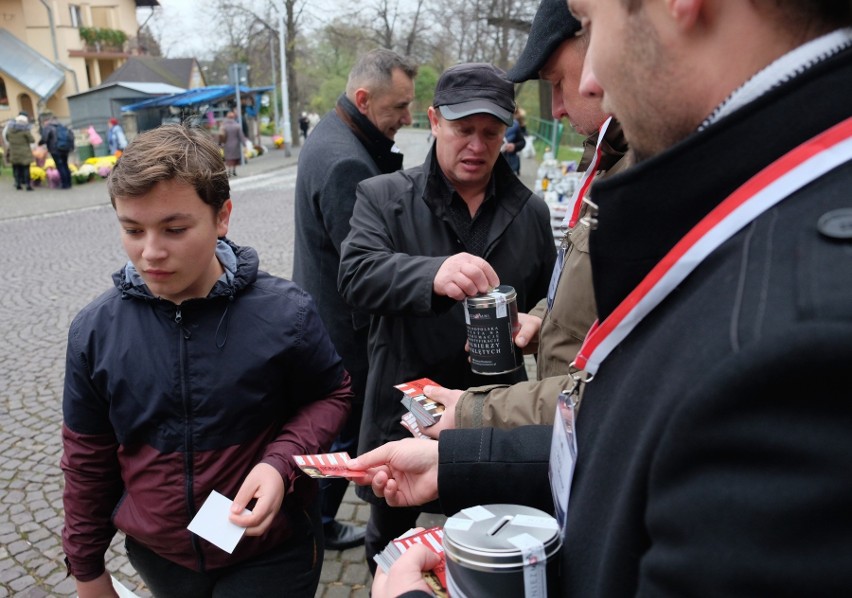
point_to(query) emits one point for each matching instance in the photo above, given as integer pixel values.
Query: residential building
(52, 49)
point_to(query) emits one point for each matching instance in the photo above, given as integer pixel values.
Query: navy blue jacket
(164, 404)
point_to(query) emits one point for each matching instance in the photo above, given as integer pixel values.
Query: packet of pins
(426, 411)
(327, 465)
(409, 422)
(432, 539)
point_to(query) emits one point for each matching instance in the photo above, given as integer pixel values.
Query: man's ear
(432, 113)
(362, 100)
(685, 12)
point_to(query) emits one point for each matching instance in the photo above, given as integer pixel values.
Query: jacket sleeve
(374, 276)
(93, 484)
(327, 391)
(540, 309)
(479, 467)
(502, 406)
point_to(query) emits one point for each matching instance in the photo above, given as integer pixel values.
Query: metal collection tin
(501, 550)
(492, 321)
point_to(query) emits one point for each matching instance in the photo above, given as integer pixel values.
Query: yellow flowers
(37, 174)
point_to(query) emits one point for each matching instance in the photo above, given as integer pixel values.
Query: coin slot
(499, 525)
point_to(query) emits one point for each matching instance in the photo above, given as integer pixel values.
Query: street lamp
(285, 96)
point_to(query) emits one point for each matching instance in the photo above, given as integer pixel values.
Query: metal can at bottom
(492, 321)
(502, 551)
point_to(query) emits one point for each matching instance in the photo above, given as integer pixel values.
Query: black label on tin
(490, 335)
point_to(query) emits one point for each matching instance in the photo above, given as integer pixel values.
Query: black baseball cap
(475, 88)
(552, 24)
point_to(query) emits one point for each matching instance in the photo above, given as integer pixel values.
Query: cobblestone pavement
(60, 249)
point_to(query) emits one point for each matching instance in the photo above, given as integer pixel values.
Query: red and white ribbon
(576, 201)
(791, 172)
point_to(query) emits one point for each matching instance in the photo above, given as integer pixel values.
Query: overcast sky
(185, 27)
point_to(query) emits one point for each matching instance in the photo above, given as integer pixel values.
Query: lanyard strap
(789, 173)
(576, 202)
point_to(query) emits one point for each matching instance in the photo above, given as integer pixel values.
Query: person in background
(554, 52)
(116, 139)
(353, 142)
(424, 239)
(304, 124)
(4, 139)
(20, 142)
(232, 140)
(700, 469)
(232, 374)
(515, 140)
(59, 140)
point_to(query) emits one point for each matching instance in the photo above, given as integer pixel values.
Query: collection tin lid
(495, 296)
(480, 537)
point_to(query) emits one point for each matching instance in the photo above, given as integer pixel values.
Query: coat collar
(646, 209)
(383, 150)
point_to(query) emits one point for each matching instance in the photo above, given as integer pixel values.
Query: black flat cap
(475, 88)
(552, 24)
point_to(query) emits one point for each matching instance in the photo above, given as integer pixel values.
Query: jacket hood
(16, 126)
(240, 264)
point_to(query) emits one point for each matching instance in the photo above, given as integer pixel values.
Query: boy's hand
(100, 587)
(263, 483)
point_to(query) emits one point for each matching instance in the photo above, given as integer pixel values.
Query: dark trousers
(333, 489)
(291, 570)
(61, 161)
(385, 524)
(22, 175)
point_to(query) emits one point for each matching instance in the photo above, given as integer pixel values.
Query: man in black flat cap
(554, 52)
(422, 240)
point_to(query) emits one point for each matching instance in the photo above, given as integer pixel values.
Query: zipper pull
(178, 317)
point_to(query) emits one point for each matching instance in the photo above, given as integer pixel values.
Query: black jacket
(344, 149)
(400, 237)
(165, 403)
(714, 442)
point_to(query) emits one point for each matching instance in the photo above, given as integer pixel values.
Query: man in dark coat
(50, 137)
(352, 143)
(713, 444)
(425, 238)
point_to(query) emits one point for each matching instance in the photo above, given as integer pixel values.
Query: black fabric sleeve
(490, 466)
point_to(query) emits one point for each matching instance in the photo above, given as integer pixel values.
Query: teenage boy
(196, 372)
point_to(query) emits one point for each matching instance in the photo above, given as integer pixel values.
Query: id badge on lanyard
(554, 276)
(563, 454)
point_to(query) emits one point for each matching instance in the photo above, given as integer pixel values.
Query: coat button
(836, 224)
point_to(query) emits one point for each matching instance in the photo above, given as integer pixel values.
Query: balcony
(100, 42)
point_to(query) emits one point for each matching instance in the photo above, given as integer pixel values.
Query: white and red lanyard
(576, 201)
(791, 172)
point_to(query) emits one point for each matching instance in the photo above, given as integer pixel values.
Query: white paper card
(212, 523)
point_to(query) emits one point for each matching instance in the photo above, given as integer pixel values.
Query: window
(4, 97)
(76, 15)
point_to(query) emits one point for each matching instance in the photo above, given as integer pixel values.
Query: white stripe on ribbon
(779, 180)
